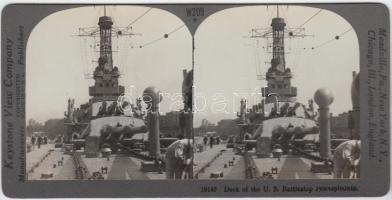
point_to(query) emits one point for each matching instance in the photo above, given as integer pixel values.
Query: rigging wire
(310, 18)
(297, 56)
(337, 37)
(166, 35)
(175, 30)
(83, 54)
(138, 18)
(124, 54)
(257, 58)
(284, 15)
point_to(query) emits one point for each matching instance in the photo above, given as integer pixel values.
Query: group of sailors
(39, 140)
(211, 141)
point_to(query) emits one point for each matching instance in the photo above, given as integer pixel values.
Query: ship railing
(81, 171)
(251, 170)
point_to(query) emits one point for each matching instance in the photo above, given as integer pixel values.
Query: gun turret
(111, 135)
(283, 136)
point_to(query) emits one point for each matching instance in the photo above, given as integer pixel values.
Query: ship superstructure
(278, 117)
(107, 118)
(106, 76)
(278, 76)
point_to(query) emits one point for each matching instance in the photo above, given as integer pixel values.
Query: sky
(227, 62)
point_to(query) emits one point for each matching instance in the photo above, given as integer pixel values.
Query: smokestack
(243, 110)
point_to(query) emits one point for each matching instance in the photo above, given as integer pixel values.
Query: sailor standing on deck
(211, 142)
(346, 159)
(205, 141)
(247, 136)
(217, 140)
(39, 141)
(178, 158)
(33, 140)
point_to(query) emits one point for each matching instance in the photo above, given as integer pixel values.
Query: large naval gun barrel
(290, 132)
(283, 136)
(126, 131)
(111, 135)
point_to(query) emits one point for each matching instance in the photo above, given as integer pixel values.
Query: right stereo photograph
(276, 95)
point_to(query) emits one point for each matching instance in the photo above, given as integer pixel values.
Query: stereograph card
(195, 100)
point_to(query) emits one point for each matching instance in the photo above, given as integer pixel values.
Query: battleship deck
(218, 160)
(289, 167)
(119, 166)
